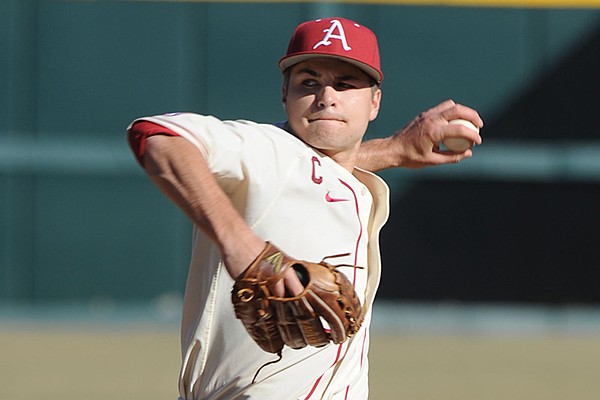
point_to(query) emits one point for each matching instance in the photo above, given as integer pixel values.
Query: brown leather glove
(295, 321)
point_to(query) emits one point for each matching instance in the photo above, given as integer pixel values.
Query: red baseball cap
(338, 38)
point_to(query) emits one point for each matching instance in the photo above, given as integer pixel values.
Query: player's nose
(327, 97)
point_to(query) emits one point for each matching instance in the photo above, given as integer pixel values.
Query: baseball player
(298, 190)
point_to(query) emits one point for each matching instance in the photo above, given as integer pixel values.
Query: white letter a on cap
(329, 34)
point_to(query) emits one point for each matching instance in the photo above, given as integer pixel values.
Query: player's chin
(326, 129)
(325, 142)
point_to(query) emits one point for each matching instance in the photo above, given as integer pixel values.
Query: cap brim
(290, 61)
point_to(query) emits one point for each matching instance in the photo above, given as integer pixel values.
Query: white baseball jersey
(308, 206)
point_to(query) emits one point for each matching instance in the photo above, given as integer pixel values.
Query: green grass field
(54, 363)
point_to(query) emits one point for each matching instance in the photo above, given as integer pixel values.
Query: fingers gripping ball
(295, 321)
(458, 145)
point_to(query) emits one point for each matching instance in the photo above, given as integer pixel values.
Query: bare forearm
(378, 154)
(182, 174)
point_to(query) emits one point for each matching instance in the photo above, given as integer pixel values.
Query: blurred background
(505, 244)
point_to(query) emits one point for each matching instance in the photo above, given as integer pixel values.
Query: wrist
(388, 153)
(240, 252)
(394, 151)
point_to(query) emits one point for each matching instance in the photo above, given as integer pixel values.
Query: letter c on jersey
(316, 179)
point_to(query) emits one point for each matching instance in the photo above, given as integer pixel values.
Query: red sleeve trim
(142, 130)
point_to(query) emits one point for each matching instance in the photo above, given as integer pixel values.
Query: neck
(345, 158)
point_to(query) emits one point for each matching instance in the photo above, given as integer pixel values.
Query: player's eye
(345, 85)
(309, 83)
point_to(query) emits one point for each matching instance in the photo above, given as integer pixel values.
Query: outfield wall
(80, 222)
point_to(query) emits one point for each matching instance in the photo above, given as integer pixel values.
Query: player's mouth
(327, 118)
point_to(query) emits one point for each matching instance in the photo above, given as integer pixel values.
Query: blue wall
(78, 219)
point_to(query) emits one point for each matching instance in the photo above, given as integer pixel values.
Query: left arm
(416, 145)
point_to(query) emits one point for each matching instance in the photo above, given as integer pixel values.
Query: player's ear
(375, 103)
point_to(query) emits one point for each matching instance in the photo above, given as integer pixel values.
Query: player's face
(329, 105)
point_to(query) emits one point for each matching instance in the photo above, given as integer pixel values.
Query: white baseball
(458, 145)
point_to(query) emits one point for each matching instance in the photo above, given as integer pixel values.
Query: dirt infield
(58, 364)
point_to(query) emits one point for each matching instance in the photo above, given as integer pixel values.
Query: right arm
(180, 171)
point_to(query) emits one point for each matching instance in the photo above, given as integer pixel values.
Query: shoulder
(207, 126)
(213, 135)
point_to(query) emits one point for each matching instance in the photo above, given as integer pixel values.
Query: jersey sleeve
(142, 130)
(235, 151)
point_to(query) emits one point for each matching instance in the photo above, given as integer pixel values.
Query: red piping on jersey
(359, 224)
(362, 357)
(362, 354)
(337, 357)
